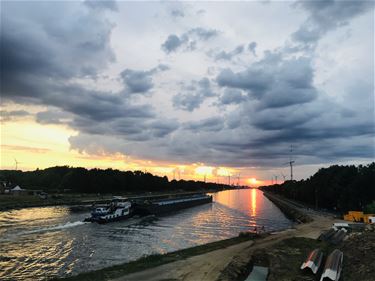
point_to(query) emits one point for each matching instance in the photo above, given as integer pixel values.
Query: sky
(190, 90)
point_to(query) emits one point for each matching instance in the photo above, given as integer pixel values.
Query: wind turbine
(282, 174)
(15, 160)
(275, 179)
(291, 163)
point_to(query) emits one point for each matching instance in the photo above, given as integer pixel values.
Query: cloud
(75, 44)
(223, 55)
(203, 33)
(172, 43)
(325, 16)
(187, 40)
(250, 112)
(25, 148)
(137, 81)
(53, 117)
(140, 81)
(102, 4)
(251, 80)
(252, 48)
(55, 64)
(274, 81)
(232, 96)
(177, 13)
(193, 95)
(211, 124)
(6, 116)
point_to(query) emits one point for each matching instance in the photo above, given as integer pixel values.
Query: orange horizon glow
(40, 146)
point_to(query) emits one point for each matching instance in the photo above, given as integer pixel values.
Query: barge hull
(147, 209)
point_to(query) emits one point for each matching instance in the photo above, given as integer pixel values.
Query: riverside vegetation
(337, 188)
(81, 180)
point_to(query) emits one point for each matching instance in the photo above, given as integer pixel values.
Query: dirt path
(209, 266)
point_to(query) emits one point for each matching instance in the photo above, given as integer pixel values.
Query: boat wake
(56, 227)
(16, 235)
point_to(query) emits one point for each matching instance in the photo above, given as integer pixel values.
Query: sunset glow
(53, 149)
(204, 171)
(177, 101)
(253, 182)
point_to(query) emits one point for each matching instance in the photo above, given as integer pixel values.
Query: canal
(41, 243)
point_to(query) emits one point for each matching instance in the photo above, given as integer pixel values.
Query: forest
(338, 188)
(81, 180)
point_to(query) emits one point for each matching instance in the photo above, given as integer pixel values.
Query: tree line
(81, 180)
(340, 188)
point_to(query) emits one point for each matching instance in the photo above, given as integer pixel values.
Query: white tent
(17, 188)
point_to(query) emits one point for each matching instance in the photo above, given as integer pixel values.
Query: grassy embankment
(156, 260)
(9, 202)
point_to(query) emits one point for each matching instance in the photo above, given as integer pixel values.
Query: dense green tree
(340, 188)
(81, 180)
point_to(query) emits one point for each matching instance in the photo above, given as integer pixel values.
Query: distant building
(17, 190)
(358, 216)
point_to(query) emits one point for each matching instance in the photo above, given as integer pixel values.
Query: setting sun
(204, 171)
(253, 181)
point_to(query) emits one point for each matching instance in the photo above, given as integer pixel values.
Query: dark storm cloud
(208, 125)
(137, 81)
(223, 55)
(35, 47)
(274, 81)
(39, 60)
(187, 40)
(252, 48)
(102, 4)
(177, 13)
(232, 96)
(53, 117)
(276, 119)
(13, 115)
(250, 80)
(140, 81)
(161, 128)
(203, 33)
(264, 106)
(172, 43)
(193, 95)
(327, 15)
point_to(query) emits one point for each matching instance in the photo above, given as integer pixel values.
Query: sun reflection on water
(253, 202)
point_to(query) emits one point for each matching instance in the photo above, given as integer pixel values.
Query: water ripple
(40, 243)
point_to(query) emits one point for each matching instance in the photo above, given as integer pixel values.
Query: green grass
(155, 260)
(8, 202)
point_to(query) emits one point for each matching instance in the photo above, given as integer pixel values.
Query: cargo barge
(118, 209)
(161, 206)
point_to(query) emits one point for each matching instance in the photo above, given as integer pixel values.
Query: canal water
(41, 243)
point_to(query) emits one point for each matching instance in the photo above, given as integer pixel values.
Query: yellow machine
(357, 216)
